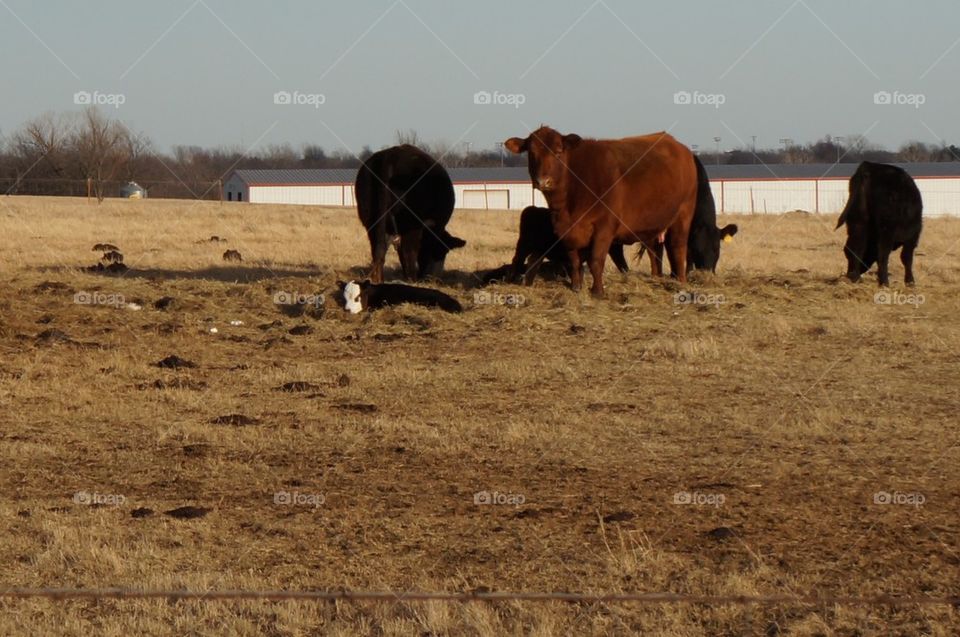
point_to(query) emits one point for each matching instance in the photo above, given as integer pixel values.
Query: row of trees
(849, 149)
(67, 154)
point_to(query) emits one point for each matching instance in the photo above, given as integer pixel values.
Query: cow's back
(406, 173)
(886, 200)
(634, 176)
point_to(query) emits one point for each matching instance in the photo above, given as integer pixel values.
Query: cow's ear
(516, 145)
(341, 285)
(571, 141)
(727, 232)
(365, 284)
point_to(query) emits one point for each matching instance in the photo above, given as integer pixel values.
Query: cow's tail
(853, 200)
(843, 215)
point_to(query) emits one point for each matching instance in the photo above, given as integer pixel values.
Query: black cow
(884, 212)
(538, 243)
(703, 245)
(703, 242)
(403, 192)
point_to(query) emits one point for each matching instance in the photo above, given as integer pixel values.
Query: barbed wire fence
(654, 598)
(210, 190)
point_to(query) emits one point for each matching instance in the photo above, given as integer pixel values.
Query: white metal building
(823, 188)
(475, 188)
(753, 188)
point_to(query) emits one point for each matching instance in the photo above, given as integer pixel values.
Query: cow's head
(433, 251)
(860, 252)
(352, 295)
(547, 156)
(705, 244)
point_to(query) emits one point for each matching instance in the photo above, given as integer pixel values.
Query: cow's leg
(409, 249)
(677, 237)
(519, 258)
(906, 258)
(656, 258)
(534, 266)
(576, 269)
(598, 258)
(616, 253)
(378, 251)
(677, 255)
(671, 254)
(883, 261)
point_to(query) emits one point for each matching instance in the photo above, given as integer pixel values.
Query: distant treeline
(71, 154)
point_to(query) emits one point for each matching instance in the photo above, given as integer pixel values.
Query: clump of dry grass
(789, 393)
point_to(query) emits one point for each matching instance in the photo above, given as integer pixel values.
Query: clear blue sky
(205, 71)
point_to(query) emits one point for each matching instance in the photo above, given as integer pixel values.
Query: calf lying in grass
(356, 297)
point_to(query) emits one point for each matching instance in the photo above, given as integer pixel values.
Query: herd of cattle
(602, 195)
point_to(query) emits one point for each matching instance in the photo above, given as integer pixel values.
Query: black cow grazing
(403, 192)
(884, 212)
(538, 243)
(703, 242)
(703, 245)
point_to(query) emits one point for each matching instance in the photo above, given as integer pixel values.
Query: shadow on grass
(227, 274)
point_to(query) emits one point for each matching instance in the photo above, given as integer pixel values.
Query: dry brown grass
(796, 399)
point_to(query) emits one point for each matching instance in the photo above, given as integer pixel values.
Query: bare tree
(409, 136)
(914, 152)
(43, 145)
(137, 147)
(102, 147)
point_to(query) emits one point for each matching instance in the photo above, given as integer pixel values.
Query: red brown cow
(626, 190)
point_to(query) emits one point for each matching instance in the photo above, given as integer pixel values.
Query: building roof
(822, 171)
(303, 176)
(520, 175)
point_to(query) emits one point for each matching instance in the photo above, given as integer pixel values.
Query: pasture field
(787, 433)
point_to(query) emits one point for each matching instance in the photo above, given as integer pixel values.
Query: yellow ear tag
(727, 239)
